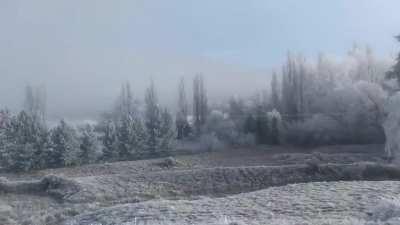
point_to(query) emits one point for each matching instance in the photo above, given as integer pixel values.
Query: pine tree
(110, 141)
(167, 131)
(182, 123)
(130, 138)
(23, 140)
(89, 145)
(123, 135)
(125, 104)
(152, 121)
(65, 145)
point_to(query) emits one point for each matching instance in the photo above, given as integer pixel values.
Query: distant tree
(293, 87)
(237, 113)
(250, 125)
(262, 126)
(130, 137)
(182, 124)
(153, 121)
(110, 141)
(89, 145)
(125, 104)
(123, 134)
(200, 108)
(65, 145)
(4, 118)
(394, 73)
(35, 102)
(275, 121)
(158, 125)
(167, 132)
(274, 92)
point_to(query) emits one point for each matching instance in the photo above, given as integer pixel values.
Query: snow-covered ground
(236, 186)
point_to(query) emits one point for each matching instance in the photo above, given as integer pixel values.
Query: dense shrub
(220, 126)
(319, 129)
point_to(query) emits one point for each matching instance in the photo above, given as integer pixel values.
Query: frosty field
(235, 186)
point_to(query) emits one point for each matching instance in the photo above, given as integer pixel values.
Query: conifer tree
(23, 140)
(182, 123)
(152, 121)
(110, 141)
(65, 145)
(167, 132)
(89, 145)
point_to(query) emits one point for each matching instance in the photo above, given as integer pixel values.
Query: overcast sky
(83, 50)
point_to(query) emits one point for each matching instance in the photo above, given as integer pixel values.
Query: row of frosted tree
(125, 133)
(319, 102)
(312, 102)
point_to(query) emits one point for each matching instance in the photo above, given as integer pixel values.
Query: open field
(258, 186)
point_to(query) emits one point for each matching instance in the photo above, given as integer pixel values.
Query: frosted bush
(319, 129)
(224, 130)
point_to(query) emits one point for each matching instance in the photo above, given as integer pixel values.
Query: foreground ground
(267, 185)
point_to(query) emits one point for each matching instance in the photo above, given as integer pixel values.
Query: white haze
(83, 50)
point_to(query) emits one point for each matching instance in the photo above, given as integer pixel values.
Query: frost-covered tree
(391, 122)
(182, 123)
(200, 108)
(167, 132)
(90, 147)
(158, 125)
(294, 75)
(130, 138)
(35, 102)
(122, 131)
(153, 121)
(4, 118)
(109, 139)
(275, 123)
(274, 92)
(237, 113)
(125, 104)
(65, 144)
(262, 126)
(363, 65)
(23, 142)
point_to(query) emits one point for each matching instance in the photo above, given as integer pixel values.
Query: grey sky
(83, 50)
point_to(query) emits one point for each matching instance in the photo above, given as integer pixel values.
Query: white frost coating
(392, 127)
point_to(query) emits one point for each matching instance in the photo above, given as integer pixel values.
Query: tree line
(306, 103)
